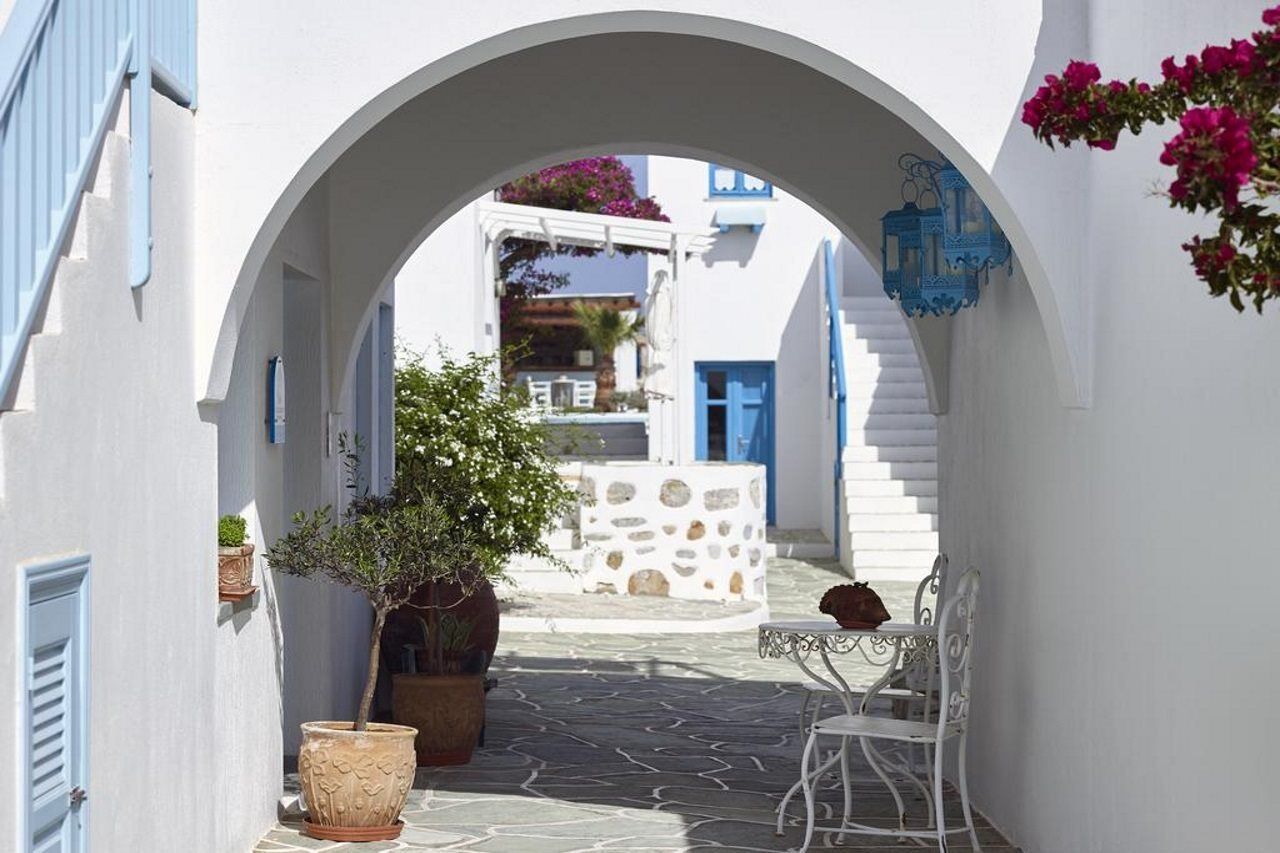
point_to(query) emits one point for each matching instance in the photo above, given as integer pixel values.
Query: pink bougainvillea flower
(1080, 75)
(1213, 150)
(1271, 17)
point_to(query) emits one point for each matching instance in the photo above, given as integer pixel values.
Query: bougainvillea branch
(1226, 153)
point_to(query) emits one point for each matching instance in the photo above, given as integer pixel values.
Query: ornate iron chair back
(955, 652)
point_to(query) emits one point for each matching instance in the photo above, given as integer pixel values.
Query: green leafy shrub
(231, 531)
(481, 453)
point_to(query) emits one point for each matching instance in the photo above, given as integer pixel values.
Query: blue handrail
(63, 67)
(836, 378)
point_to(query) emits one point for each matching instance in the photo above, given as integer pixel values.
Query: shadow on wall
(737, 245)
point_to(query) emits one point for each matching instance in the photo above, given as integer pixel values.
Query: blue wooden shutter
(55, 726)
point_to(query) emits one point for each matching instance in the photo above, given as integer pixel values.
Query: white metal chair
(539, 393)
(584, 394)
(955, 669)
(907, 685)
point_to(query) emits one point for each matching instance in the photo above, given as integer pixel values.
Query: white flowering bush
(481, 453)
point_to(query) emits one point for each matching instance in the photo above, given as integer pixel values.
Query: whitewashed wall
(1128, 550)
(441, 296)
(756, 297)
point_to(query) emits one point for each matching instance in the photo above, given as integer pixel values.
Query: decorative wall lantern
(973, 237)
(932, 256)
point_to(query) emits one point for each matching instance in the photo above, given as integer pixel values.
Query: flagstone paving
(678, 742)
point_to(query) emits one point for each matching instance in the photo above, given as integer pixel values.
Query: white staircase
(890, 483)
(99, 233)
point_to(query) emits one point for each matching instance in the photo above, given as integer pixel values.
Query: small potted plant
(356, 775)
(235, 560)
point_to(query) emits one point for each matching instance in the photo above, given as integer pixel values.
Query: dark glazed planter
(480, 609)
(447, 711)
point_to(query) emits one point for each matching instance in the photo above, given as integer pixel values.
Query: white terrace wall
(756, 297)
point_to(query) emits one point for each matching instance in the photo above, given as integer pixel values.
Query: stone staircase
(99, 232)
(890, 484)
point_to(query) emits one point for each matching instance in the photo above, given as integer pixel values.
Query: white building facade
(1082, 405)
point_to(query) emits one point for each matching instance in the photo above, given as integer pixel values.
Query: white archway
(424, 147)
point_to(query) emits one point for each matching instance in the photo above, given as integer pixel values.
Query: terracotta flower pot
(354, 783)
(447, 711)
(235, 572)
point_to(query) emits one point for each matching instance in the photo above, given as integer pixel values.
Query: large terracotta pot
(447, 711)
(480, 609)
(235, 572)
(354, 783)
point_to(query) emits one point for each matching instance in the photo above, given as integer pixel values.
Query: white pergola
(499, 221)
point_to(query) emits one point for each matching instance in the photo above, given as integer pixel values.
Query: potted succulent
(355, 775)
(235, 560)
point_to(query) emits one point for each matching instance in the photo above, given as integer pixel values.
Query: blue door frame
(734, 417)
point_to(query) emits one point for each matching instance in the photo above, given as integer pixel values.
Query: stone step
(562, 539)
(535, 574)
(894, 559)
(892, 437)
(891, 346)
(875, 373)
(900, 505)
(899, 541)
(886, 522)
(918, 453)
(889, 391)
(891, 471)
(888, 313)
(890, 488)
(873, 303)
(854, 359)
(876, 331)
(892, 420)
(889, 406)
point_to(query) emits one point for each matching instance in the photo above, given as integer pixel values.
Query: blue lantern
(973, 238)
(932, 257)
(900, 248)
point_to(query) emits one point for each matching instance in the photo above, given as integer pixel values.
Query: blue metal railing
(836, 379)
(63, 67)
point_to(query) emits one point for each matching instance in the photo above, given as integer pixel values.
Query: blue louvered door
(55, 723)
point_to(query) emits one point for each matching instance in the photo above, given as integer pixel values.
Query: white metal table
(893, 646)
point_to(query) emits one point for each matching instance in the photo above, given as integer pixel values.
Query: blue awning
(739, 216)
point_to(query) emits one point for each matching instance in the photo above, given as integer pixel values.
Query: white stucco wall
(111, 458)
(1127, 550)
(756, 297)
(441, 296)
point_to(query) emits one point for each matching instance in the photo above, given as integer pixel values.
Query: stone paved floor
(653, 743)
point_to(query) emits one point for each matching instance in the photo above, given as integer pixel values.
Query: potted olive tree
(356, 775)
(480, 453)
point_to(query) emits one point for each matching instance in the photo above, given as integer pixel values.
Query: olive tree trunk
(371, 680)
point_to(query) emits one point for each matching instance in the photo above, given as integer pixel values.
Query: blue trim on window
(739, 189)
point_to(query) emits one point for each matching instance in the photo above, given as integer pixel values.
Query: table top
(814, 627)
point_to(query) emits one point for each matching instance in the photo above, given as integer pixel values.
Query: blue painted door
(55, 720)
(735, 416)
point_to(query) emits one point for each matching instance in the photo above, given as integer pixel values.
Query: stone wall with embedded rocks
(687, 531)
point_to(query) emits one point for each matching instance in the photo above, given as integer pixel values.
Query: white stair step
(895, 346)
(889, 391)
(918, 453)
(890, 488)
(893, 437)
(896, 541)
(561, 539)
(893, 420)
(873, 303)
(876, 331)
(891, 471)
(893, 559)
(905, 504)
(861, 358)
(890, 406)
(885, 522)
(875, 373)
(886, 313)
(533, 574)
